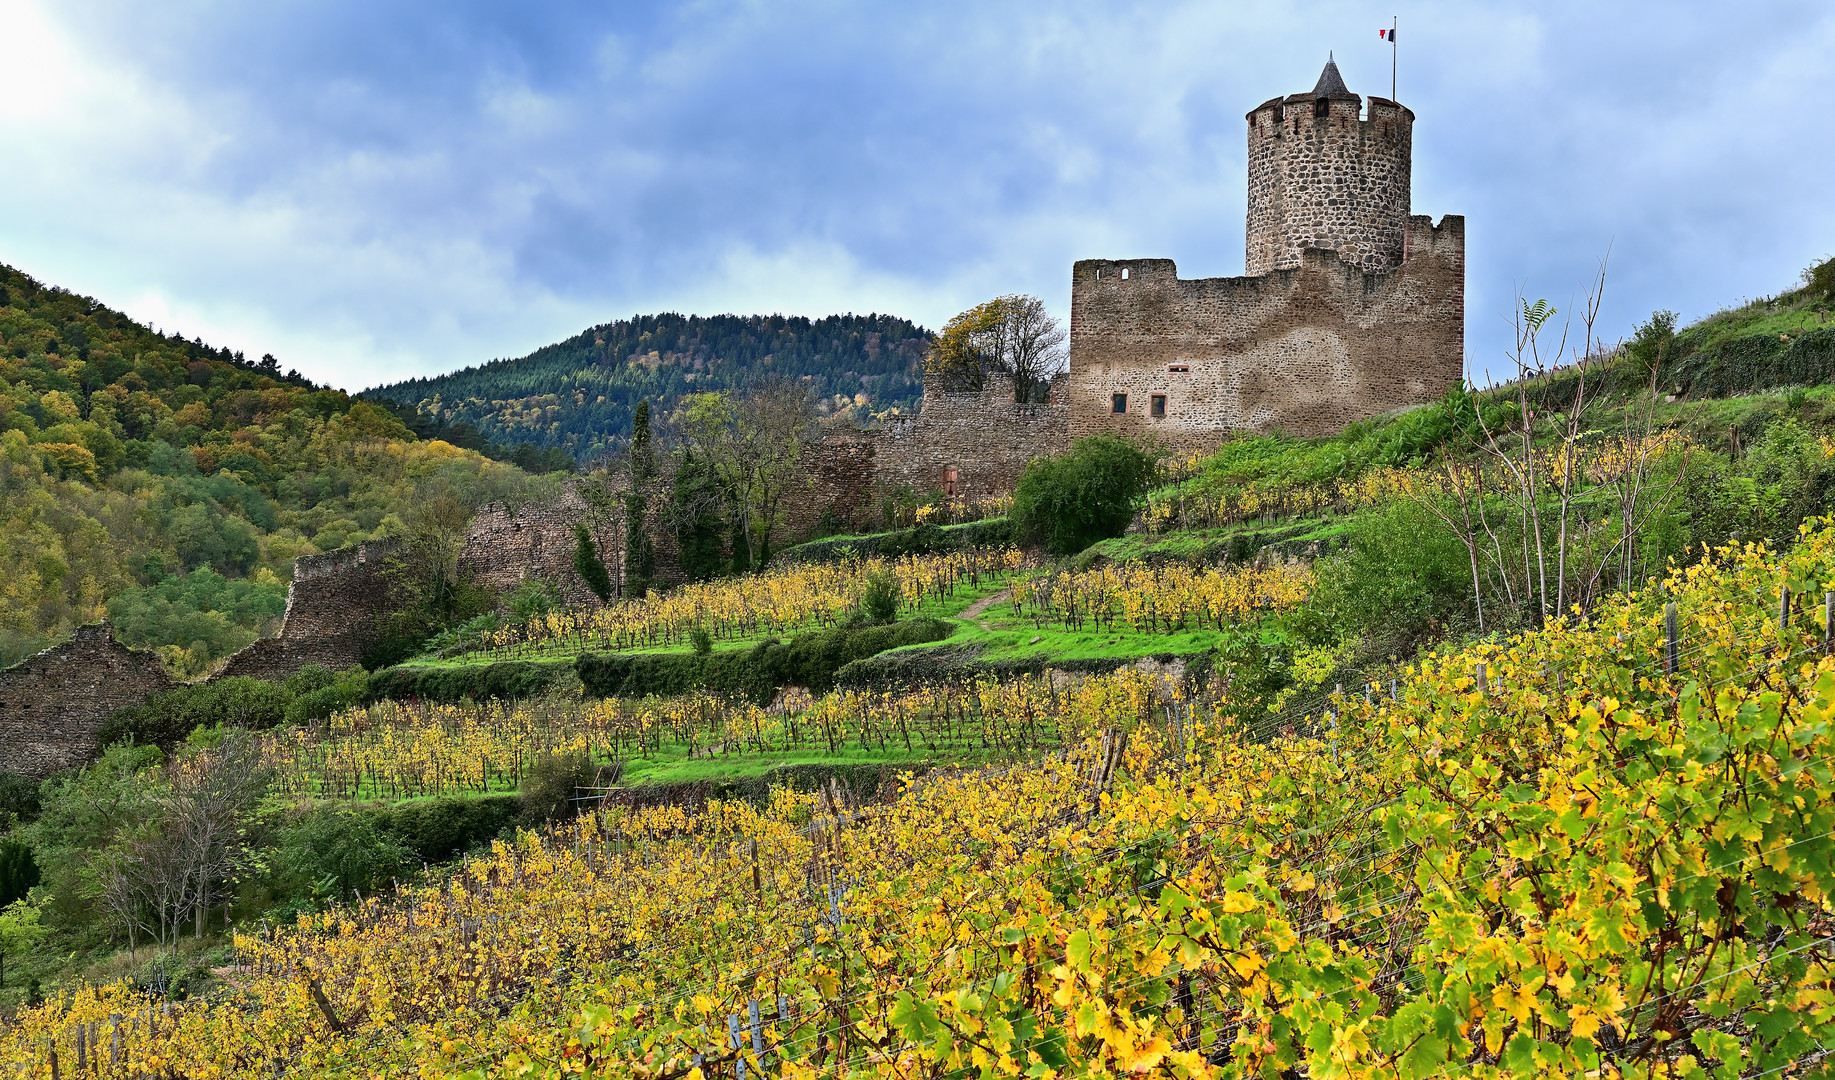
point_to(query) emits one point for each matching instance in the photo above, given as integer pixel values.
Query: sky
(372, 191)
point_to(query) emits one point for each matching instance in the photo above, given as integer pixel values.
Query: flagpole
(1394, 23)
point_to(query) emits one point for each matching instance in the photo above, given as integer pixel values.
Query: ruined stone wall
(839, 486)
(983, 436)
(1304, 351)
(1339, 181)
(506, 546)
(332, 609)
(52, 704)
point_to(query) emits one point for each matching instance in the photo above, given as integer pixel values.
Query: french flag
(1386, 35)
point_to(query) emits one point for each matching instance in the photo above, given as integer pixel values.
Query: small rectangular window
(1178, 367)
(1118, 403)
(1158, 406)
(1124, 273)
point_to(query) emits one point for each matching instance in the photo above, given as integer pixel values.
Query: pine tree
(638, 553)
(695, 516)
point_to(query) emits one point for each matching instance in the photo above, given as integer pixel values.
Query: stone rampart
(506, 546)
(53, 704)
(976, 442)
(1306, 351)
(839, 486)
(332, 610)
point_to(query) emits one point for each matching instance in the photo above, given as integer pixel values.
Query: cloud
(379, 190)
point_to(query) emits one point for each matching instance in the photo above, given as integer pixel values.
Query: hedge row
(437, 829)
(239, 701)
(506, 679)
(959, 662)
(1755, 362)
(810, 660)
(919, 540)
(865, 782)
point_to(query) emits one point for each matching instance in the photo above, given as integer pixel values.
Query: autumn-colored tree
(1012, 335)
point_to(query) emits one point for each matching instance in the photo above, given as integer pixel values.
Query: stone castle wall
(332, 609)
(1304, 351)
(841, 489)
(984, 436)
(53, 704)
(1339, 181)
(505, 546)
(982, 439)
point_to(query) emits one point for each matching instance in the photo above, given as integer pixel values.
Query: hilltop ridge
(578, 394)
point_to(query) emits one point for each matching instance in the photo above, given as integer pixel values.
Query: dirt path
(974, 611)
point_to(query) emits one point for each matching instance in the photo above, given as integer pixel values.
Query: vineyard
(1603, 849)
(394, 751)
(798, 597)
(1165, 599)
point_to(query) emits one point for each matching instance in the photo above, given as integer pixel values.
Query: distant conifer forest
(578, 395)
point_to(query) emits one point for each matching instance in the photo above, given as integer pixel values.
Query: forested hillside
(169, 485)
(578, 394)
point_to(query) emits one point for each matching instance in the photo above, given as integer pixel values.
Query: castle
(1349, 306)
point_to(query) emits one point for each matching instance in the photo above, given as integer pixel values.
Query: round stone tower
(1322, 175)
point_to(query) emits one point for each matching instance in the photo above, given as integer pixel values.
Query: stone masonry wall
(505, 547)
(332, 609)
(52, 705)
(1339, 181)
(985, 437)
(1304, 351)
(841, 470)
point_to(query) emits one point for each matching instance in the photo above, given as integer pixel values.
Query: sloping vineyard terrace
(1570, 861)
(797, 597)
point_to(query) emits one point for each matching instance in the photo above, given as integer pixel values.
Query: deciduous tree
(1012, 335)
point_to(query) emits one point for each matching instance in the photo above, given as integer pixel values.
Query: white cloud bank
(381, 190)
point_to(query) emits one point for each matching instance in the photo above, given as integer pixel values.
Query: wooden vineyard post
(1669, 638)
(758, 888)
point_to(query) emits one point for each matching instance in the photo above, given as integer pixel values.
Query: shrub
(810, 660)
(344, 690)
(330, 853)
(1402, 581)
(1087, 494)
(925, 539)
(879, 600)
(165, 719)
(702, 641)
(531, 600)
(18, 796)
(548, 788)
(1820, 279)
(18, 870)
(508, 679)
(437, 829)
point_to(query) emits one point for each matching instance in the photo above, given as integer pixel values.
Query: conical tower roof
(1331, 84)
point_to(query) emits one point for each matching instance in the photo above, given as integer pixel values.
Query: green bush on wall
(508, 679)
(809, 660)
